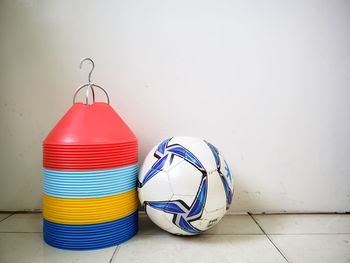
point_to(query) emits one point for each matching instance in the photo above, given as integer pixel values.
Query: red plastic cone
(93, 124)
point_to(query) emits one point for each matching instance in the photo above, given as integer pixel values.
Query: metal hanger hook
(89, 85)
(92, 69)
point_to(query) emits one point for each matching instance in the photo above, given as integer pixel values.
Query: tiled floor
(237, 238)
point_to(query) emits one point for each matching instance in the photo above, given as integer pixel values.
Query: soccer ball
(185, 185)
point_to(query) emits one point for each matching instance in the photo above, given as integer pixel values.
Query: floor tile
(23, 223)
(4, 215)
(230, 224)
(30, 247)
(304, 224)
(202, 248)
(314, 248)
(235, 224)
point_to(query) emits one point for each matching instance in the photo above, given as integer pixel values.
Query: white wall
(267, 82)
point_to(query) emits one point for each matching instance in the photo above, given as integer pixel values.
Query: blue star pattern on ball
(183, 214)
(228, 192)
(165, 151)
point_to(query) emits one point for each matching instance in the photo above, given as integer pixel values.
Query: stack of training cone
(90, 171)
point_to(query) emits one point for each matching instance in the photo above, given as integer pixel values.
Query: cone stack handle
(90, 85)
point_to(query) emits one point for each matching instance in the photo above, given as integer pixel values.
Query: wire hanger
(90, 85)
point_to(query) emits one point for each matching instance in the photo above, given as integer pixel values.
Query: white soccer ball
(185, 185)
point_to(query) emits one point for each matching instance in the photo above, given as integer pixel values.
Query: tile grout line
(114, 253)
(19, 232)
(204, 234)
(256, 222)
(6, 217)
(307, 234)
